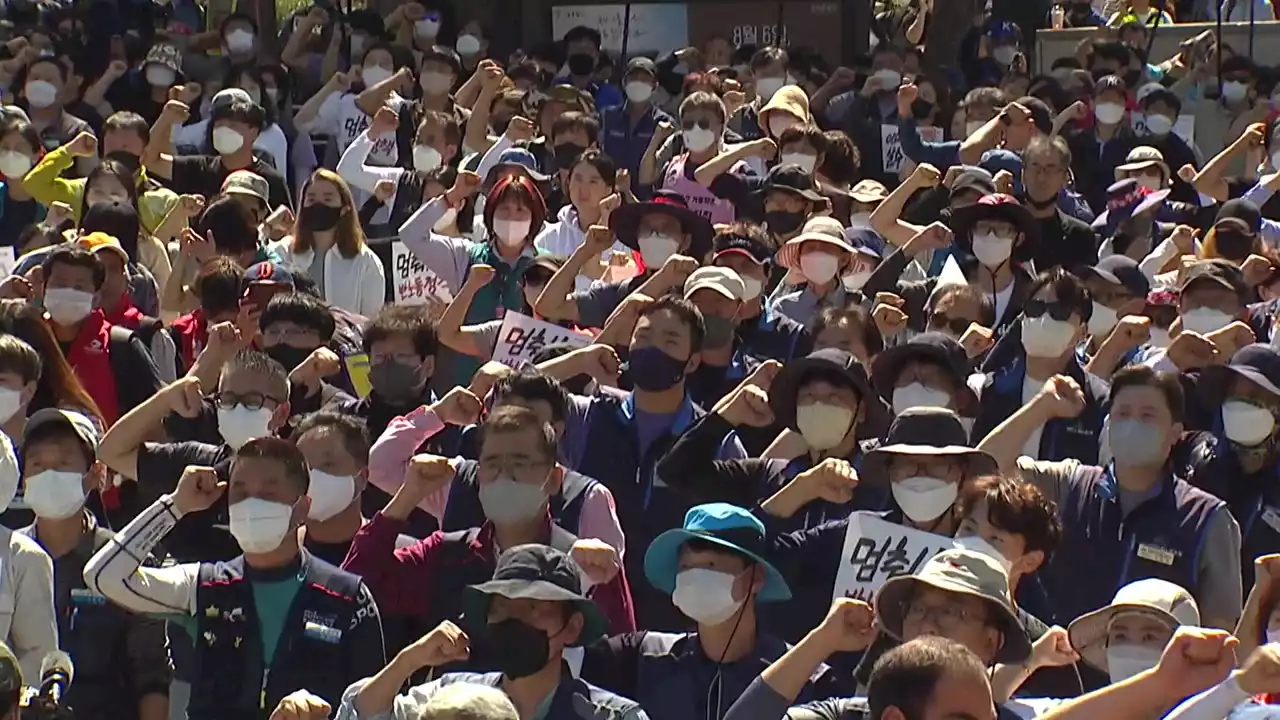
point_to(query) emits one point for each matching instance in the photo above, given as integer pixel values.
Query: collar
(683, 416)
(1111, 487)
(85, 547)
(296, 569)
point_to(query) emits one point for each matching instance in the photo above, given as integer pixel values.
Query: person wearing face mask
(930, 370)
(42, 98)
(61, 474)
(1230, 112)
(1065, 241)
(1135, 518)
(115, 301)
(235, 128)
(744, 249)
(1212, 296)
(1161, 109)
(297, 330)
(627, 130)
(719, 294)
(513, 482)
(528, 618)
(590, 179)
(691, 173)
(671, 238)
(1096, 152)
(822, 256)
(249, 597)
(1054, 321)
(582, 47)
(244, 85)
(239, 37)
(1126, 636)
(1118, 289)
(713, 569)
(767, 69)
(19, 147)
(1238, 232)
(32, 628)
(143, 90)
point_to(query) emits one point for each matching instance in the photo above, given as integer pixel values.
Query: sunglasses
(1057, 310)
(703, 123)
(957, 326)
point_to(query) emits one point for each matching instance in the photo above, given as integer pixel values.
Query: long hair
(348, 235)
(58, 385)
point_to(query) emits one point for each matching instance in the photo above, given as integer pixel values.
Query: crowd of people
(359, 373)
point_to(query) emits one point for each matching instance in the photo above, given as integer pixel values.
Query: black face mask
(515, 648)
(1233, 244)
(395, 382)
(783, 222)
(499, 125)
(921, 109)
(320, 217)
(288, 356)
(566, 153)
(581, 64)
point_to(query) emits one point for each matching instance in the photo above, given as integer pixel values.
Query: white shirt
(342, 119)
(1001, 301)
(1030, 388)
(27, 620)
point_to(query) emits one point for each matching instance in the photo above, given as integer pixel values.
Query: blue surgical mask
(1134, 442)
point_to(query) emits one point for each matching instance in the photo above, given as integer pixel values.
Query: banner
(413, 282)
(657, 28)
(521, 337)
(891, 154)
(876, 550)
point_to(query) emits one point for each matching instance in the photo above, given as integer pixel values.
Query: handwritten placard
(413, 282)
(876, 550)
(521, 337)
(658, 27)
(891, 145)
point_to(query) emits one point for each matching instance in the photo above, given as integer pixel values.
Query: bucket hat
(535, 572)
(722, 524)
(1151, 596)
(926, 431)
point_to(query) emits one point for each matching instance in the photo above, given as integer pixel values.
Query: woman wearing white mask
(1127, 636)
(20, 146)
(823, 258)
(43, 95)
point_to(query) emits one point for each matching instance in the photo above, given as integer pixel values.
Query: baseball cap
(720, 279)
(535, 572)
(1110, 83)
(974, 178)
(247, 182)
(1119, 270)
(80, 424)
(268, 272)
(1218, 272)
(96, 242)
(229, 96)
(642, 64)
(733, 243)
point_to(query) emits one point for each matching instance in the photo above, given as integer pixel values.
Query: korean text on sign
(892, 155)
(413, 282)
(876, 550)
(521, 337)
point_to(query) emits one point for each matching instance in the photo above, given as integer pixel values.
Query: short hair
(468, 701)
(410, 320)
(512, 419)
(302, 310)
(531, 384)
(1112, 51)
(809, 134)
(703, 100)
(686, 312)
(256, 361)
(990, 96)
(583, 32)
(282, 451)
(905, 677)
(1141, 375)
(573, 121)
(242, 111)
(125, 121)
(1066, 288)
(75, 256)
(57, 431)
(117, 219)
(856, 314)
(233, 228)
(452, 131)
(217, 285)
(986, 308)
(1015, 507)
(766, 56)
(1054, 144)
(841, 159)
(19, 358)
(352, 430)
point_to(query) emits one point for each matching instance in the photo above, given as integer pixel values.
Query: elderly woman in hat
(1127, 636)
(818, 259)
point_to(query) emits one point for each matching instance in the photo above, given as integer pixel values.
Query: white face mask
(1005, 54)
(751, 289)
(374, 74)
(160, 76)
(1246, 423)
(1159, 124)
(55, 494)
(706, 596)
(804, 160)
(655, 249)
(1108, 113)
(978, 545)
(14, 164)
(508, 502)
(819, 267)
(767, 86)
(330, 494)
(468, 45)
(638, 91)
(437, 83)
(226, 140)
(924, 498)
(1203, 321)
(10, 403)
(511, 232)
(67, 306)
(1150, 182)
(919, 395)
(1044, 337)
(823, 426)
(1125, 661)
(240, 41)
(238, 425)
(991, 249)
(889, 79)
(855, 281)
(41, 94)
(258, 525)
(426, 28)
(972, 127)
(426, 158)
(1234, 92)
(698, 139)
(1103, 320)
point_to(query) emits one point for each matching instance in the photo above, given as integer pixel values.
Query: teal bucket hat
(728, 526)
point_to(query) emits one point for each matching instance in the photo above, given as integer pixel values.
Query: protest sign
(891, 145)
(521, 337)
(413, 282)
(876, 550)
(358, 371)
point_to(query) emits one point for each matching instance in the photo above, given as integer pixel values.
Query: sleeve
(447, 257)
(614, 600)
(186, 173)
(46, 184)
(806, 558)
(489, 160)
(401, 579)
(147, 655)
(276, 146)
(146, 378)
(389, 457)
(405, 707)
(34, 632)
(1215, 703)
(365, 646)
(1050, 477)
(690, 467)
(614, 663)
(373, 284)
(597, 303)
(1259, 194)
(1271, 233)
(758, 702)
(117, 572)
(359, 175)
(277, 190)
(328, 117)
(941, 155)
(164, 355)
(600, 519)
(189, 135)
(1220, 589)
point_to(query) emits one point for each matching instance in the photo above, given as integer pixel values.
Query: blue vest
(463, 509)
(867, 496)
(502, 294)
(1103, 550)
(573, 698)
(230, 680)
(773, 337)
(1061, 438)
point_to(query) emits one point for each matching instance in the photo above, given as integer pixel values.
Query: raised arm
(1060, 397)
(352, 166)
(1211, 180)
(450, 329)
(120, 445)
(887, 220)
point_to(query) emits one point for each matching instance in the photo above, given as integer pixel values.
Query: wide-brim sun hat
(625, 222)
(927, 432)
(932, 347)
(727, 526)
(832, 363)
(1154, 597)
(822, 229)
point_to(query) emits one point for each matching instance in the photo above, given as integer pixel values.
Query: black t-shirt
(203, 175)
(16, 217)
(1065, 242)
(132, 93)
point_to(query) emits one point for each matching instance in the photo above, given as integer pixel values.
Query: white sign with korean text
(876, 550)
(521, 337)
(891, 145)
(657, 27)
(413, 282)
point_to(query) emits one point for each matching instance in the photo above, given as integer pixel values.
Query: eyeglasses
(252, 401)
(1057, 310)
(957, 326)
(946, 617)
